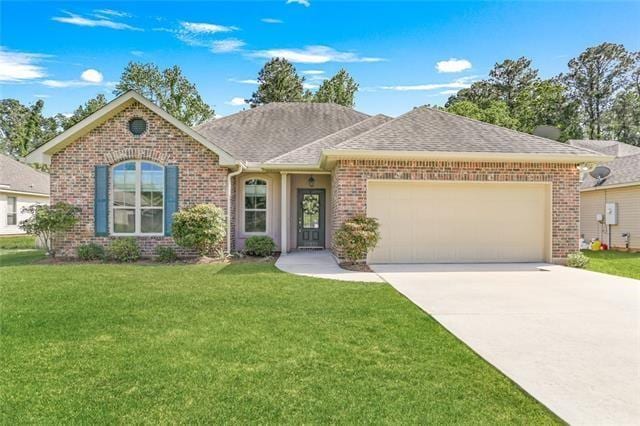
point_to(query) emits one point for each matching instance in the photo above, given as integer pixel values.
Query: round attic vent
(137, 126)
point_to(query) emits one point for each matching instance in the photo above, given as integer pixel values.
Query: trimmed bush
(259, 245)
(91, 251)
(201, 227)
(165, 254)
(124, 250)
(357, 237)
(577, 260)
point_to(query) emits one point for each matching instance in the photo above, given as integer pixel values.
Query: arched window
(255, 206)
(138, 198)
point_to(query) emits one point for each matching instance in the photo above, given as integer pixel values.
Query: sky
(403, 54)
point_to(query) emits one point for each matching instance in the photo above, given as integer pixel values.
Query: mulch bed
(357, 267)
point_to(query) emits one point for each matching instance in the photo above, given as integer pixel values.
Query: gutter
(241, 168)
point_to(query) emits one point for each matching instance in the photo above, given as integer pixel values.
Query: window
(137, 126)
(12, 217)
(138, 198)
(255, 206)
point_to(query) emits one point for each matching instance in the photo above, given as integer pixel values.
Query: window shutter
(170, 196)
(101, 201)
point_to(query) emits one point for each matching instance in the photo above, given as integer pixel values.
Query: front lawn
(614, 263)
(17, 242)
(91, 343)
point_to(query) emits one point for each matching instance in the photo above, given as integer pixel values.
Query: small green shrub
(49, 222)
(91, 251)
(259, 245)
(357, 237)
(124, 250)
(577, 260)
(201, 227)
(165, 254)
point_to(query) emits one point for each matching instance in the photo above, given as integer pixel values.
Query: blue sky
(403, 54)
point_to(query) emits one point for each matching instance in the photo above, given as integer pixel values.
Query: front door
(311, 218)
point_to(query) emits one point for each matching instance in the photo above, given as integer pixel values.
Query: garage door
(442, 222)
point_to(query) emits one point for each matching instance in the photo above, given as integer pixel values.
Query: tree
(48, 222)
(480, 93)
(546, 102)
(623, 120)
(24, 128)
(83, 111)
(169, 89)
(339, 89)
(278, 81)
(493, 112)
(593, 79)
(510, 77)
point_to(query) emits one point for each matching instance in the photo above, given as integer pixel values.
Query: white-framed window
(255, 206)
(137, 194)
(12, 211)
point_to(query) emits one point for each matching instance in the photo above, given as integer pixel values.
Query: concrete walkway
(321, 264)
(571, 338)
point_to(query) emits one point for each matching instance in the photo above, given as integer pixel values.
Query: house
(621, 188)
(20, 186)
(445, 188)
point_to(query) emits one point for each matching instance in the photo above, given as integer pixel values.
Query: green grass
(614, 263)
(244, 343)
(20, 257)
(17, 242)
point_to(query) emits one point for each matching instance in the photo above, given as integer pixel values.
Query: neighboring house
(621, 187)
(20, 186)
(445, 188)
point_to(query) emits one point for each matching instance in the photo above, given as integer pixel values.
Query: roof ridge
(371, 117)
(25, 165)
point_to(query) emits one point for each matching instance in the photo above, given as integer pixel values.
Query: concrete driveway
(570, 338)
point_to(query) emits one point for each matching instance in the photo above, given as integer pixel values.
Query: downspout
(229, 176)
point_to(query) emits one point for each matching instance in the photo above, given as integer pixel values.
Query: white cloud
(453, 65)
(102, 21)
(137, 53)
(272, 21)
(112, 12)
(42, 96)
(461, 83)
(450, 92)
(237, 101)
(312, 72)
(246, 81)
(305, 3)
(313, 55)
(206, 28)
(20, 66)
(92, 76)
(309, 86)
(228, 45)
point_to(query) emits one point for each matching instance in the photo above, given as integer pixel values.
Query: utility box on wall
(611, 214)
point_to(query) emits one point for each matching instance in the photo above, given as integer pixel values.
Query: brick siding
(201, 179)
(349, 188)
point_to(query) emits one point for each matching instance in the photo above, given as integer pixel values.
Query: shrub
(165, 254)
(201, 227)
(47, 222)
(124, 250)
(91, 251)
(261, 246)
(357, 237)
(577, 260)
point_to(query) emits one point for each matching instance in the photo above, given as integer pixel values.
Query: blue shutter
(101, 201)
(170, 196)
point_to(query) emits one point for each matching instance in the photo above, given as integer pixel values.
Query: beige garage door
(442, 222)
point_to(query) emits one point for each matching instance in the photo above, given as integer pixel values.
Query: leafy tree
(278, 82)
(494, 112)
(593, 79)
(546, 102)
(510, 77)
(623, 120)
(168, 89)
(480, 93)
(24, 128)
(83, 111)
(339, 89)
(48, 222)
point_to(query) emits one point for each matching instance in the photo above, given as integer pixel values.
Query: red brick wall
(201, 179)
(349, 188)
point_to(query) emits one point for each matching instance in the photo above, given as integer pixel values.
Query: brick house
(444, 188)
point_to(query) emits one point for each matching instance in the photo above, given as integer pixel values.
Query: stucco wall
(201, 179)
(349, 188)
(628, 201)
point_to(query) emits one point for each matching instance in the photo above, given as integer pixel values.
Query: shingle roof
(310, 153)
(15, 176)
(427, 129)
(625, 168)
(268, 131)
